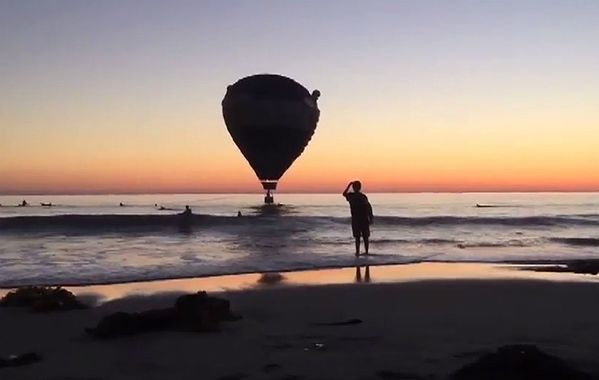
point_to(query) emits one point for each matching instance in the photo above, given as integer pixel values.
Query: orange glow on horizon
(395, 153)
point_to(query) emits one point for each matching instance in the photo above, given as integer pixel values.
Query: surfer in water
(361, 214)
(186, 220)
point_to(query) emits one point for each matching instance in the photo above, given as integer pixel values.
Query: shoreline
(359, 262)
(385, 274)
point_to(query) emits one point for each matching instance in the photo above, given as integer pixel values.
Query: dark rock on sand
(122, 324)
(237, 376)
(394, 375)
(20, 360)
(199, 312)
(42, 299)
(115, 324)
(192, 312)
(348, 322)
(519, 362)
(270, 367)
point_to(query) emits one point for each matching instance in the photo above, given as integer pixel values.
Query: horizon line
(35, 193)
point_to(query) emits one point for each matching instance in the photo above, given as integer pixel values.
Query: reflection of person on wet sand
(366, 274)
(361, 214)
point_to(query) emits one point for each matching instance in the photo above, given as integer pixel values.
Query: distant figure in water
(121, 204)
(239, 214)
(47, 204)
(185, 222)
(24, 203)
(361, 214)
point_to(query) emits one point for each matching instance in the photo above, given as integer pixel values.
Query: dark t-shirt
(361, 211)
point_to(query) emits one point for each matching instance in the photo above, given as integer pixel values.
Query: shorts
(360, 228)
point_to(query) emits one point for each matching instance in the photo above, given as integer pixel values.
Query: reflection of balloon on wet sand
(271, 119)
(271, 278)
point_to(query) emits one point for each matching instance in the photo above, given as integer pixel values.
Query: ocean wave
(578, 242)
(476, 220)
(384, 241)
(495, 244)
(102, 222)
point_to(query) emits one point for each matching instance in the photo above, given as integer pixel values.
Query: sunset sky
(124, 96)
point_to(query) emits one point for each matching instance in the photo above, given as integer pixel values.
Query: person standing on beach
(361, 214)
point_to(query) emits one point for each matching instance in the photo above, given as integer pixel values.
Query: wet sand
(423, 320)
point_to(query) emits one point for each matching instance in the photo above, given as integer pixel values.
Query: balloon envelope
(271, 119)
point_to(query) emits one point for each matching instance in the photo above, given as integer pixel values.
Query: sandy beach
(425, 327)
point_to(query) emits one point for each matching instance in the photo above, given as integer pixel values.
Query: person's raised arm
(347, 189)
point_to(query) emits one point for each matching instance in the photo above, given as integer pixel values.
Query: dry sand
(426, 328)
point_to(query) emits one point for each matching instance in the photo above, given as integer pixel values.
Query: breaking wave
(158, 222)
(578, 242)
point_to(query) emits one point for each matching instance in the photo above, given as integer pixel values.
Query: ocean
(85, 239)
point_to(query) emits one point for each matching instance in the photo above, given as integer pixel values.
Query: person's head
(187, 207)
(357, 186)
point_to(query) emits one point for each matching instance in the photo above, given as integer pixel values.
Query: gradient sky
(124, 96)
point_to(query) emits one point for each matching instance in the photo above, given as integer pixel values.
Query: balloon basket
(268, 198)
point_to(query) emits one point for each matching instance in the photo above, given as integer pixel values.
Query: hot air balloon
(271, 119)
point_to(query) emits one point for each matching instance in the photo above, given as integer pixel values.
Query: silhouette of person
(121, 204)
(24, 203)
(186, 219)
(361, 214)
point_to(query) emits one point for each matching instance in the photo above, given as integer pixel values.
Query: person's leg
(355, 228)
(366, 237)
